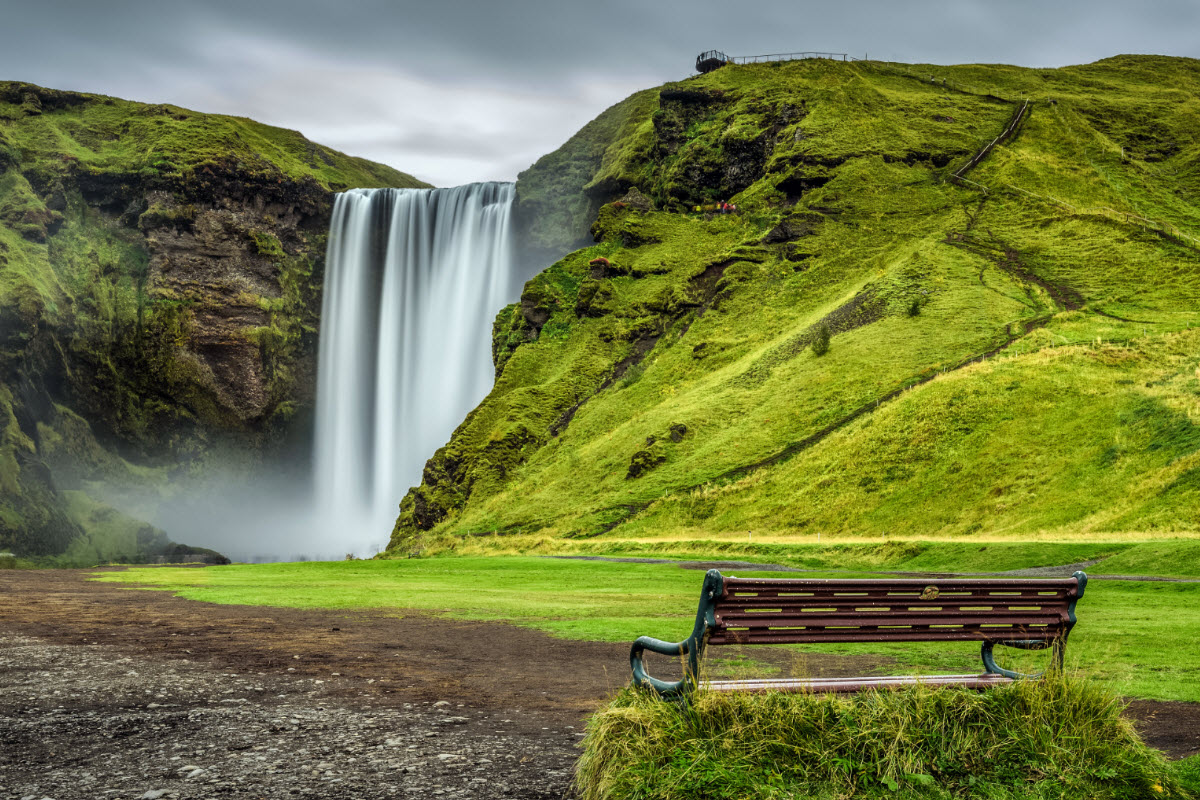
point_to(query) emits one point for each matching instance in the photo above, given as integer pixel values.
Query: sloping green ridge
(54, 132)
(1001, 362)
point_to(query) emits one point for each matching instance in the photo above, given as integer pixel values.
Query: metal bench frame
(1036, 614)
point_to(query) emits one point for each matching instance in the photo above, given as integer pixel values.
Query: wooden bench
(1027, 614)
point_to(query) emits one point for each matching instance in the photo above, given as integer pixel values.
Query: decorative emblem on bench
(930, 593)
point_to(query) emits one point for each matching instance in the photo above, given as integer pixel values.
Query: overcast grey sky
(455, 91)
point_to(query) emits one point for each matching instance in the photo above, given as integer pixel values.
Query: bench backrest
(782, 611)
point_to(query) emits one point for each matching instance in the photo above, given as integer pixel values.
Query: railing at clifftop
(712, 59)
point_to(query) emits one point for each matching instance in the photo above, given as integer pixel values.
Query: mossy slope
(557, 198)
(160, 274)
(1014, 354)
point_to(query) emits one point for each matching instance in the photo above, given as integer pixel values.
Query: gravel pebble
(75, 722)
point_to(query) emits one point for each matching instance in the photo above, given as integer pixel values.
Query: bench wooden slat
(889, 584)
(846, 685)
(871, 619)
(744, 603)
(889, 601)
(831, 637)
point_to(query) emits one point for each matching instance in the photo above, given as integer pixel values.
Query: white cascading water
(413, 279)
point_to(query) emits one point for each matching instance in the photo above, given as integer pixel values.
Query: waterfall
(413, 279)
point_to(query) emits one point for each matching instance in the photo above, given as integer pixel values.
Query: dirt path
(108, 692)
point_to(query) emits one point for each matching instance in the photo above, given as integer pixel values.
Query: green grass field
(1137, 637)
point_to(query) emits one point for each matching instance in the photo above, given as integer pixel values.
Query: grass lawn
(1137, 636)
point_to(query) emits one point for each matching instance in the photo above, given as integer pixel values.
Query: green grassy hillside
(1007, 355)
(55, 133)
(160, 274)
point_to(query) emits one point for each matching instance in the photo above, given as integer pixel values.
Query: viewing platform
(713, 59)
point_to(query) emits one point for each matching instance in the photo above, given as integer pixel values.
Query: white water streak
(413, 280)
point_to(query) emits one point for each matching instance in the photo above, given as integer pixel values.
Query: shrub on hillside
(820, 342)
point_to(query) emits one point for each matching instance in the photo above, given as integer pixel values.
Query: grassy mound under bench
(1062, 737)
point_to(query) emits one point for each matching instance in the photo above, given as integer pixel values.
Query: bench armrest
(692, 647)
(644, 679)
(1059, 644)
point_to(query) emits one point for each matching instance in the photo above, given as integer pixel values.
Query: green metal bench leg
(990, 665)
(692, 647)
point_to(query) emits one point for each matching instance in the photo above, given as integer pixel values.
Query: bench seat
(848, 685)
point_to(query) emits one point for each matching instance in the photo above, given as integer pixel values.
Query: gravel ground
(90, 722)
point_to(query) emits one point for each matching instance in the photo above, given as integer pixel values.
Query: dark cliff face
(160, 278)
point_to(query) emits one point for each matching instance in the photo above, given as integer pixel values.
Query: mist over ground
(271, 517)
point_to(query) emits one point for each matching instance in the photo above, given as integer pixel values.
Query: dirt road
(108, 692)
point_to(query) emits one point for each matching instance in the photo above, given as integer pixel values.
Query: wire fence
(1127, 217)
(713, 59)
